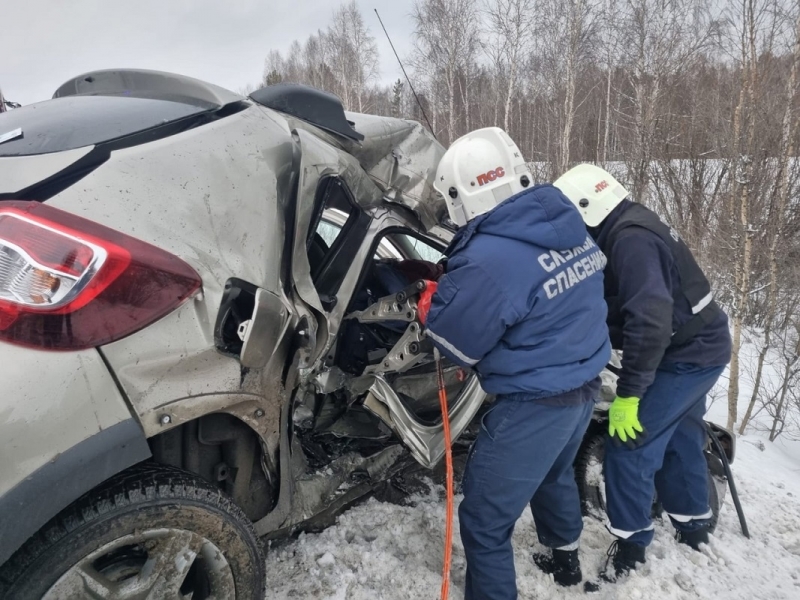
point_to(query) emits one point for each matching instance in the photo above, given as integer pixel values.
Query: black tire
(589, 477)
(589, 474)
(146, 497)
(716, 477)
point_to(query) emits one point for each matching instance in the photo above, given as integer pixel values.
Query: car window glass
(387, 249)
(334, 237)
(423, 250)
(328, 229)
(80, 121)
(335, 211)
(404, 246)
(328, 232)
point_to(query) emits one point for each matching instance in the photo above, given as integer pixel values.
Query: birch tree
(580, 15)
(317, 72)
(609, 40)
(564, 50)
(662, 37)
(446, 41)
(512, 35)
(364, 70)
(757, 26)
(776, 226)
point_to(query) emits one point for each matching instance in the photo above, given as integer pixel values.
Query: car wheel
(150, 532)
(590, 478)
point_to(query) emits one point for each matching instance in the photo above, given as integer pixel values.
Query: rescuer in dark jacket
(521, 303)
(675, 343)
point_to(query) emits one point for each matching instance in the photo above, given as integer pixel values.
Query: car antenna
(433, 133)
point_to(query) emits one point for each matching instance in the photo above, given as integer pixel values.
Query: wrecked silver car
(208, 329)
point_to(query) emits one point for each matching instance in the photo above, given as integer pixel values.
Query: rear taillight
(67, 283)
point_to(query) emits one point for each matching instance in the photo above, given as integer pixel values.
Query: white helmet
(478, 172)
(593, 190)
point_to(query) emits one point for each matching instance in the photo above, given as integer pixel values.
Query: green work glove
(623, 421)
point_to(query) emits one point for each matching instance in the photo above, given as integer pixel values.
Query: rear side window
(78, 121)
(333, 242)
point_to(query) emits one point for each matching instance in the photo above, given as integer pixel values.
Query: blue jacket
(522, 298)
(643, 278)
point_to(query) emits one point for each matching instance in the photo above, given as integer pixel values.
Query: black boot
(693, 539)
(623, 556)
(564, 565)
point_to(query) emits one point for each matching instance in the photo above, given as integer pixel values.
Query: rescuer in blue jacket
(521, 302)
(675, 344)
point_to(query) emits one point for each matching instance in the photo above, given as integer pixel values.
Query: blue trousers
(523, 456)
(670, 461)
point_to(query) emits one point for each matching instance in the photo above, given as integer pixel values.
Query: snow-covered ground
(380, 551)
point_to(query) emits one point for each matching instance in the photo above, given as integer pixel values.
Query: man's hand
(424, 303)
(623, 422)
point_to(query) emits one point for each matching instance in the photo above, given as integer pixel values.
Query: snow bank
(382, 551)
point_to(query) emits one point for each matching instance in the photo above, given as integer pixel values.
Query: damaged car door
(378, 351)
(365, 356)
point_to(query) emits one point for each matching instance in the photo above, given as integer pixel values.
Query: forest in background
(693, 104)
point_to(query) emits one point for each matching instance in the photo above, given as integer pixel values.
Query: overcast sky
(46, 42)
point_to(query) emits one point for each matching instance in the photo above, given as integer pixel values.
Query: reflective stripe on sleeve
(705, 301)
(452, 349)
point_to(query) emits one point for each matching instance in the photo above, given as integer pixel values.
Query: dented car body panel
(264, 381)
(402, 156)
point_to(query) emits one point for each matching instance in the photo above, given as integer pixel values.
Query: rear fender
(47, 491)
(65, 428)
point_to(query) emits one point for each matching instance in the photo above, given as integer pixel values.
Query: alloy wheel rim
(155, 564)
